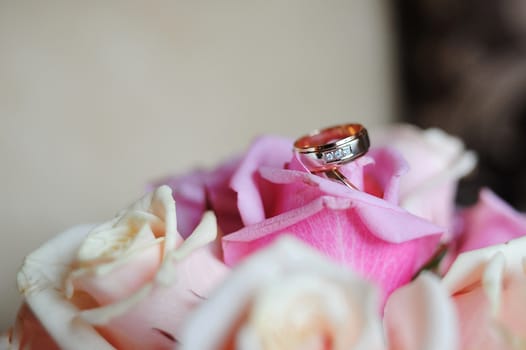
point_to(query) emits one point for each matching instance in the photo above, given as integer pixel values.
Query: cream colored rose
(288, 297)
(488, 287)
(128, 283)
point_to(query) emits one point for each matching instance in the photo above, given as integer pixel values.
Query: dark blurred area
(463, 69)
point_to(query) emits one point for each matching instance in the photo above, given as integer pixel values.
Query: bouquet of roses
(264, 253)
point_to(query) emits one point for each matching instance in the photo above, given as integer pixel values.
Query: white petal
(493, 280)
(421, 316)
(102, 315)
(287, 257)
(469, 267)
(41, 281)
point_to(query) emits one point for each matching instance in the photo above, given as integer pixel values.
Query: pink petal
(437, 160)
(512, 313)
(189, 194)
(353, 171)
(476, 322)
(377, 173)
(383, 177)
(349, 232)
(196, 191)
(428, 152)
(124, 280)
(436, 204)
(293, 188)
(267, 151)
(155, 321)
(299, 189)
(491, 221)
(222, 199)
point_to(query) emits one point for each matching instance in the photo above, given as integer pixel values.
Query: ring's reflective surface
(326, 149)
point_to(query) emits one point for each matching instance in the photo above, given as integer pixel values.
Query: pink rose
(287, 296)
(268, 192)
(128, 283)
(488, 287)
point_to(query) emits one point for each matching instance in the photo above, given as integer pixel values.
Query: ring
(327, 149)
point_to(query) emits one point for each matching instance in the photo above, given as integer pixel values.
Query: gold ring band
(327, 149)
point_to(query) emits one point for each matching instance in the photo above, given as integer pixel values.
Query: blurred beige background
(97, 98)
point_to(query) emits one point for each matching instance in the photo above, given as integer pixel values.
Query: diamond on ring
(331, 147)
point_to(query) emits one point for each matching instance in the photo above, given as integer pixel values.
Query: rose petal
(222, 198)
(347, 231)
(353, 171)
(488, 286)
(469, 267)
(123, 281)
(118, 258)
(269, 151)
(297, 189)
(383, 177)
(421, 316)
(491, 221)
(378, 174)
(155, 320)
(189, 193)
(436, 160)
(221, 320)
(184, 279)
(201, 190)
(41, 281)
(431, 154)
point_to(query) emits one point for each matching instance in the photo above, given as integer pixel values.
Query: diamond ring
(325, 150)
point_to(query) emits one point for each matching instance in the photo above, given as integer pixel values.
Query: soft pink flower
(342, 223)
(488, 287)
(287, 297)
(129, 283)
(437, 161)
(273, 193)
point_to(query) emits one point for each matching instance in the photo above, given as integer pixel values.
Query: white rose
(288, 296)
(128, 283)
